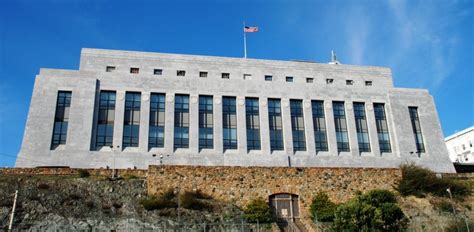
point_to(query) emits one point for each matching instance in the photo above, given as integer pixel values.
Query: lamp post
(454, 210)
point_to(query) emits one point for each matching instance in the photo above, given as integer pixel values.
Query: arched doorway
(284, 206)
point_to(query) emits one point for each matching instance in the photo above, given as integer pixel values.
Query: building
(460, 146)
(131, 109)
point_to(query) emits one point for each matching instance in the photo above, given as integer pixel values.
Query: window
(329, 81)
(61, 118)
(361, 127)
(225, 75)
(319, 125)
(157, 71)
(181, 121)
(247, 77)
(134, 70)
(253, 123)
(309, 80)
(382, 127)
(275, 124)
(180, 73)
(229, 121)
(368, 83)
(105, 122)
(349, 82)
(415, 122)
(110, 68)
(206, 123)
(289, 79)
(202, 74)
(156, 136)
(131, 122)
(268, 78)
(341, 127)
(297, 125)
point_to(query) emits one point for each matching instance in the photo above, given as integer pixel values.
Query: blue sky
(428, 44)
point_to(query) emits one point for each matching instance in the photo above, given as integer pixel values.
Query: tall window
(253, 123)
(206, 135)
(131, 122)
(341, 127)
(61, 118)
(156, 135)
(382, 127)
(276, 127)
(105, 122)
(181, 121)
(229, 117)
(361, 127)
(297, 125)
(319, 124)
(415, 123)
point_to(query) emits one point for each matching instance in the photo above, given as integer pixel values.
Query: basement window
(110, 68)
(349, 82)
(289, 79)
(134, 70)
(225, 75)
(202, 74)
(157, 71)
(180, 73)
(329, 81)
(368, 83)
(309, 80)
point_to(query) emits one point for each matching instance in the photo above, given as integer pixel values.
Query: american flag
(250, 29)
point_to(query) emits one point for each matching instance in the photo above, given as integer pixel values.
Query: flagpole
(245, 43)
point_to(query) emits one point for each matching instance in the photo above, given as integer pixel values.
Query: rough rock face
(69, 203)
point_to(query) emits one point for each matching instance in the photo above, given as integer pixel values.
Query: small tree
(258, 210)
(322, 209)
(376, 210)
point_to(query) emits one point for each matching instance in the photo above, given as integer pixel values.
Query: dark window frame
(362, 129)
(319, 126)
(206, 122)
(252, 115)
(131, 123)
(342, 137)
(297, 125)
(156, 135)
(107, 101)
(181, 121)
(61, 119)
(229, 111)
(275, 125)
(383, 132)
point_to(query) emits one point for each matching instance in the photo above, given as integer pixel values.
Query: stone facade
(80, 149)
(240, 184)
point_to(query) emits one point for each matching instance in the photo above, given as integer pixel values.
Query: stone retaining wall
(240, 184)
(71, 171)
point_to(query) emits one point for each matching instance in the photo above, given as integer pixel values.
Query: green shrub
(154, 203)
(377, 197)
(74, 196)
(419, 181)
(83, 173)
(90, 204)
(168, 194)
(322, 209)
(258, 210)
(442, 205)
(130, 176)
(363, 213)
(43, 186)
(188, 200)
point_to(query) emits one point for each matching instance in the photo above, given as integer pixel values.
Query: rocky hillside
(70, 203)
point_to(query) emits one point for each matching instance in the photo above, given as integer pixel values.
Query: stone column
(330, 128)
(371, 124)
(194, 124)
(264, 126)
(351, 128)
(119, 116)
(144, 122)
(286, 120)
(241, 127)
(218, 132)
(169, 124)
(309, 129)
